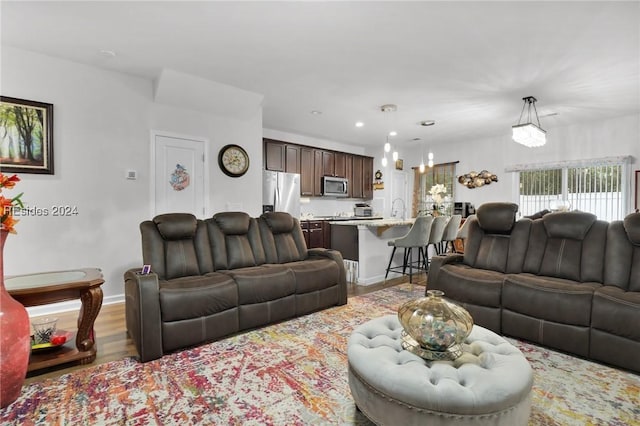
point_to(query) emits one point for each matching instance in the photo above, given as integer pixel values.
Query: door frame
(152, 168)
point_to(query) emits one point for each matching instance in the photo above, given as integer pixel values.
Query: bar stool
(451, 233)
(417, 237)
(437, 231)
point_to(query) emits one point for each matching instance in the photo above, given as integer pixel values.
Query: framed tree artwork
(26, 136)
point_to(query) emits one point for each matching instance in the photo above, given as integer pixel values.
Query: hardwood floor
(114, 344)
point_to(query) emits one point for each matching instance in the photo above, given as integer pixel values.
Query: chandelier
(527, 133)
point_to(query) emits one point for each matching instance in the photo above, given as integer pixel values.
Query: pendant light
(528, 134)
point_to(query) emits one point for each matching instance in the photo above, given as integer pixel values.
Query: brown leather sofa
(215, 277)
(566, 280)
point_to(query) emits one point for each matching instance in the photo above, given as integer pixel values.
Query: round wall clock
(233, 160)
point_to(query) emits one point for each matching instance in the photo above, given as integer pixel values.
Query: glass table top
(45, 279)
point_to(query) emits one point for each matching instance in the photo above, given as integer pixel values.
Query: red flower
(8, 204)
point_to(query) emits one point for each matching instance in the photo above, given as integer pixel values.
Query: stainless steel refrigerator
(281, 192)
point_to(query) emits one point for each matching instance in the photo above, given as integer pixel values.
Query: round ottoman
(490, 384)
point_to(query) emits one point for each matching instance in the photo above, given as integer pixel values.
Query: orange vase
(15, 340)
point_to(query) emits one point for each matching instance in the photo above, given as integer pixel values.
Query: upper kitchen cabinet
(313, 163)
(334, 164)
(281, 157)
(292, 159)
(318, 171)
(356, 180)
(307, 173)
(367, 178)
(340, 162)
(274, 155)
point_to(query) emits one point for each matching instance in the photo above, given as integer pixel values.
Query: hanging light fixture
(387, 108)
(528, 134)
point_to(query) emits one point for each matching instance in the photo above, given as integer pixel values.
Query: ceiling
(466, 65)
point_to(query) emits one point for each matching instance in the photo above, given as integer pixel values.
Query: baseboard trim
(71, 305)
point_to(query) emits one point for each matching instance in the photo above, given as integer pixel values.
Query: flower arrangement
(438, 192)
(8, 204)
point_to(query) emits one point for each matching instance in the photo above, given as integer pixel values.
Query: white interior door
(178, 175)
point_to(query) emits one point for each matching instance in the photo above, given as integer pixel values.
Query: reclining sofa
(566, 281)
(215, 277)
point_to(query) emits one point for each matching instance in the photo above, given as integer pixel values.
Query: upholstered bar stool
(435, 237)
(417, 237)
(451, 233)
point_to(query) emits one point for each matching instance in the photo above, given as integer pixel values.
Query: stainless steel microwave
(335, 186)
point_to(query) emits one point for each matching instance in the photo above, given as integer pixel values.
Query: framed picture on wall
(26, 136)
(637, 189)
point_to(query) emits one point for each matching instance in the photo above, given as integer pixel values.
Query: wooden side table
(59, 286)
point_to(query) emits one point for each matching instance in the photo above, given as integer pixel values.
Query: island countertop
(375, 223)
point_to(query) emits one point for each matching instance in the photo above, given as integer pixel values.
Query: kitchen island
(365, 242)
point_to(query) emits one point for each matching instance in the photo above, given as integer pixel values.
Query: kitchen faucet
(394, 211)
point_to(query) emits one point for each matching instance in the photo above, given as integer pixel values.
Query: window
(440, 173)
(596, 186)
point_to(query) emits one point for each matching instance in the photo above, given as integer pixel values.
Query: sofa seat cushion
(549, 298)
(196, 296)
(314, 275)
(260, 284)
(617, 312)
(466, 284)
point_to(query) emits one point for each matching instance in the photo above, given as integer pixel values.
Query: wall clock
(233, 160)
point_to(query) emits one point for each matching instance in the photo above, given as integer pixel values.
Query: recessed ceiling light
(427, 123)
(359, 124)
(316, 112)
(393, 133)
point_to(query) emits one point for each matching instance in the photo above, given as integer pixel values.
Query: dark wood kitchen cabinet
(307, 173)
(318, 171)
(357, 188)
(367, 178)
(313, 163)
(313, 233)
(292, 159)
(281, 157)
(274, 155)
(328, 163)
(340, 164)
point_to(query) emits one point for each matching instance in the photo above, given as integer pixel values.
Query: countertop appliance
(281, 192)
(362, 210)
(463, 209)
(335, 186)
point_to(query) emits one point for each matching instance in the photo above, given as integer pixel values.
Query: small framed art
(26, 136)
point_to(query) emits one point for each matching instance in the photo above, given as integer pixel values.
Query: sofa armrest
(336, 256)
(438, 262)
(143, 319)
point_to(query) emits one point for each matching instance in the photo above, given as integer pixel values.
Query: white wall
(102, 125)
(614, 137)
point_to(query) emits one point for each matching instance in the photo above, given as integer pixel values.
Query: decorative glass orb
(434, 327)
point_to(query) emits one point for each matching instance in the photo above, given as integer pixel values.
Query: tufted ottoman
(490, 384)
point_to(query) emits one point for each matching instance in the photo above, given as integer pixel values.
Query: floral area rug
(294, 373)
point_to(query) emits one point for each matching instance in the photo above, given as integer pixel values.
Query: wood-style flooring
(114, 344)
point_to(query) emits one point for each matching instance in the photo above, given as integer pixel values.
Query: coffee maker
(464, 209)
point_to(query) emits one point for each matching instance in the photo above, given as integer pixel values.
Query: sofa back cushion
(176, 245)
(492, 243)
(567, 245)
(622, 255)
(235, 240)
(282, 238)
